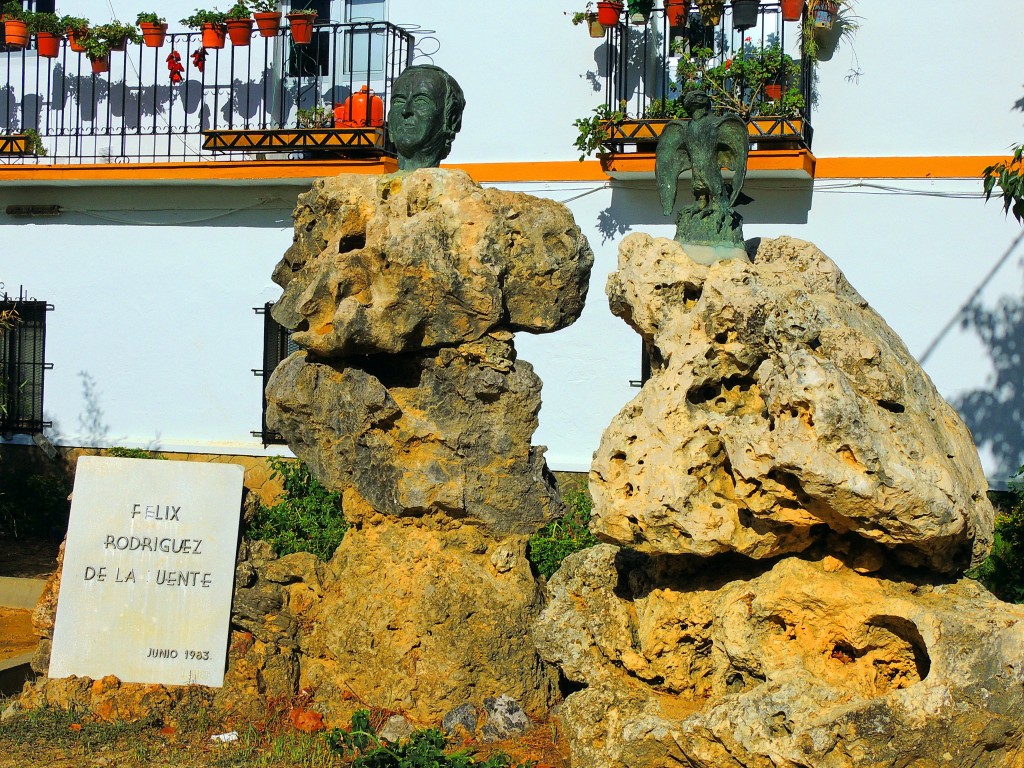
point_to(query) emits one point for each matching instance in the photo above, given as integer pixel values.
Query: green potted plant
(154, 29)
(711, 11)
(589, 17)
(98, 49)
(239, 20)
(47, 28)
(15, 25)
(594, 130)
(314, 117)
(117, 34)
(640, 11)
(301, 22)
(267, 15)
(77, 29)
(212, 25)
(34, 142)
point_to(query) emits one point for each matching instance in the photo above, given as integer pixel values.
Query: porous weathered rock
(445, 431)
(428, 259)
(416, 618)
(781, 407)
(730, 663)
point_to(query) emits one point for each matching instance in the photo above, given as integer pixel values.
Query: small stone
(396, 729)
(503, 558)
(464, 715)
(505, 718)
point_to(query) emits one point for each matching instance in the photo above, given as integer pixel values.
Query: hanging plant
(711, 11)
(640, 11)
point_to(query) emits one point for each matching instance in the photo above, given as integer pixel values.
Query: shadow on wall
(635, 206)
(995, 414)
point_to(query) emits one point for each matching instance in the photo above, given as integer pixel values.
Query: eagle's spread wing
(671, 159)
(732, 150)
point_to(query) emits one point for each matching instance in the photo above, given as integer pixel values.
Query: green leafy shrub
(306, 518)
(1002, 573)
(560, 538)
(424, 749)
(33, 505)
(131, 453)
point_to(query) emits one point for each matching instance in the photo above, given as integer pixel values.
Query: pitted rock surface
(780, 407)
(416, 619)
(417, 261)
(730, 663)
(446, 431)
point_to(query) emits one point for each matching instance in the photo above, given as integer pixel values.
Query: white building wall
(166, 330)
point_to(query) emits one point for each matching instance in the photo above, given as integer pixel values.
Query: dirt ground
(28, 558)
(16, 636)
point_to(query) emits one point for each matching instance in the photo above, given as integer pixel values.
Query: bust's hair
(695, 100)
(454, 103)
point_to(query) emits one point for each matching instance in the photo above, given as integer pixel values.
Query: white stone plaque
(149, 567)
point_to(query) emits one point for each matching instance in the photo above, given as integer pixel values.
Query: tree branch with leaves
(1008, 176)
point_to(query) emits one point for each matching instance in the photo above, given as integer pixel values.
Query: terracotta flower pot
(153, 34)
(118, 45)
(269, 24)
(773, 92)
(594, 26)
(361, 110)
(15, 33)
(676, 12)
(608, 12)
(214, 35)
(75, 40)
(240, 31)
(100, 64)
(792, 10)
(48, 44)
(301, 27)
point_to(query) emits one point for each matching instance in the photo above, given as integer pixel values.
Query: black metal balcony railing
(142, 110)
(640, 71)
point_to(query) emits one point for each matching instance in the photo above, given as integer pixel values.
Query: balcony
(758, 73)
(273, 100)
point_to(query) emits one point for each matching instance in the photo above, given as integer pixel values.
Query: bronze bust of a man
(424, 116)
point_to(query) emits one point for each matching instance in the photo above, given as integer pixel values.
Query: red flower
(728, 63)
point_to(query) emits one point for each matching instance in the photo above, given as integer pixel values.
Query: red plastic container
(364, 109)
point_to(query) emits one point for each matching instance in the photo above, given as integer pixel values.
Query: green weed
(560, 538)
(306, 518)
(424, 749)
(1002, 573)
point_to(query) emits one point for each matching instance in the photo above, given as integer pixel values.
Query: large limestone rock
(727, 663)
(423, 616)
(781, 407)
(415, 261)
(439, 432)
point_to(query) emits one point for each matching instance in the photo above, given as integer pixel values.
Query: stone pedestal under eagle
(710, 229)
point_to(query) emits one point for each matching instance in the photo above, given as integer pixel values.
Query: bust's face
(416, 117)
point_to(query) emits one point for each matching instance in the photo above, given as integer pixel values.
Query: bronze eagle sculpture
(704, 145)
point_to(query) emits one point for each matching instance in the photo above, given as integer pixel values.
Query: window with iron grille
(22, 363)
(277, 345)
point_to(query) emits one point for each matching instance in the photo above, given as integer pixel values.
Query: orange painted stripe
(552, 170)
(240, 170)
(947, 167)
